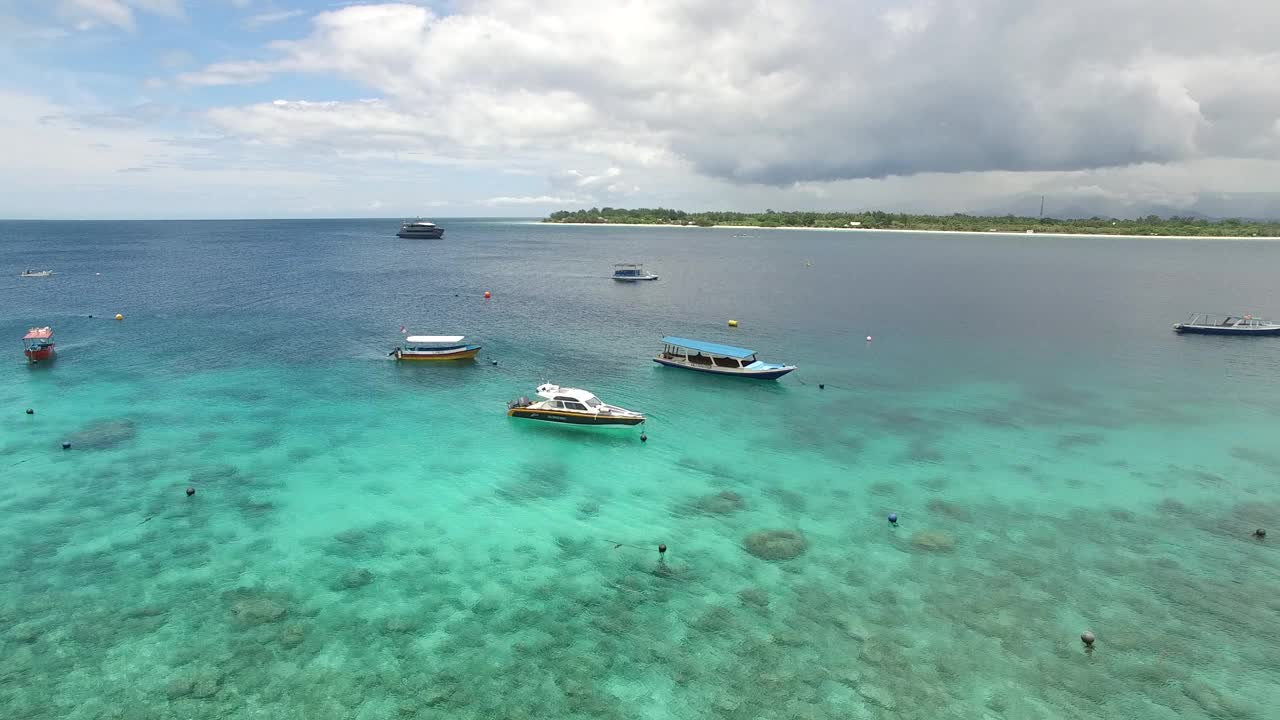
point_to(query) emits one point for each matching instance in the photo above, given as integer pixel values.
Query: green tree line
(1149, 225)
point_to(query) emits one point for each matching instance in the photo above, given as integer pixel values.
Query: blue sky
(288, 108)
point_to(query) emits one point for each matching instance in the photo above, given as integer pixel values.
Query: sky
(290, 108)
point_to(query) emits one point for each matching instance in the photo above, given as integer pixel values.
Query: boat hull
(1211, 330)
(572, 418)
(467, 353)
(39, 355)
(767, 374)
(432, 235)
(635, 279)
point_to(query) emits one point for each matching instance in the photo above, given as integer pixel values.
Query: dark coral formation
(775, 544)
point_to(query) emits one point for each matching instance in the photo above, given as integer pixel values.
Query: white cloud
(839, 91)
(547, 200)
(87, 14)
(168, 8)
(254, 22)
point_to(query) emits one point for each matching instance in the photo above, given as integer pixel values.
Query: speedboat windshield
(592, 401)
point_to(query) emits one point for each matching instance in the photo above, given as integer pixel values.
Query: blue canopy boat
(1213, 324)
(717, 359)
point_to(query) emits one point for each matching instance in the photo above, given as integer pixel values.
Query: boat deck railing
(1222, 320)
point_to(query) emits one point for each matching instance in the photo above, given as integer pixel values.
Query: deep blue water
(372, 540)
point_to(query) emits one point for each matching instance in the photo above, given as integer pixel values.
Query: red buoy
(486, 294)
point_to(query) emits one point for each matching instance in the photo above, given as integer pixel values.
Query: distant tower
(1041, 207)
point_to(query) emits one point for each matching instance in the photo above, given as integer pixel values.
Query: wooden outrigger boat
(717, 359)
(37, 344)
(436, 347)
(1214, 324)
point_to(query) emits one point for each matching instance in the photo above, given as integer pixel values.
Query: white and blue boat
(717, 359)
(631, 272)
(1214, 324)
(420, 229)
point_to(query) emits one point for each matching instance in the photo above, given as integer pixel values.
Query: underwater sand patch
(1077, 440)
(933, 540)
(775, 544)
(948, 509)
(104, 435)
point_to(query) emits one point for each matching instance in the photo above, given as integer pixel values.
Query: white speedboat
(573, 406)
(420, 228)
(36, 273)
(1213, 324)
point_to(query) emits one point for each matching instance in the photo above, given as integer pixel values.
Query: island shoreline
(901, 230)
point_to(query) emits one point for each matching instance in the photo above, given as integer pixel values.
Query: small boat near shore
(37, 344)
(436, 347)
(1216, 324)
(419, 228)
(631, 272)
(573, 406)
(35, 273)
(717, 359)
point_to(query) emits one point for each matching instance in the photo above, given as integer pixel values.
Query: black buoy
(30, 411)
(191, 491)
(662, 551)
(494, 362)
(66, 445)
(1260, 534)
(90, 316)
(822, 386)
(643, 437)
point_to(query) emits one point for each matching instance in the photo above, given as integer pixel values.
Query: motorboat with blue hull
(419, 228)
(1215, 324)
(717, 359)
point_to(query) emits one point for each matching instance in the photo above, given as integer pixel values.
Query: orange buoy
(486, 294)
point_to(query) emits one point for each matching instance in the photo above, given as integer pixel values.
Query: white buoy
(868, 338)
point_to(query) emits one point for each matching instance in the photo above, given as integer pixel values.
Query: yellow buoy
(733, 323)
(119, 316)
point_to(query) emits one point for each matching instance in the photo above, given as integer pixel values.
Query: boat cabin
(709, 354)
(558, 398)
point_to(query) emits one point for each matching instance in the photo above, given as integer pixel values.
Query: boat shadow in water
(599, 435)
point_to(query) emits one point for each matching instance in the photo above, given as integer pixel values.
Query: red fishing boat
(37, 344)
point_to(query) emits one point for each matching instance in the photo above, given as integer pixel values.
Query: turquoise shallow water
(373, 540)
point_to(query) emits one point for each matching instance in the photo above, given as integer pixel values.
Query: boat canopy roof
(43, 333)
(628, 265)
(708, 347)
(434, 338)
(552, 392)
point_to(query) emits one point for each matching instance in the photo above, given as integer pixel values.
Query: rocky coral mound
(775, 544)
